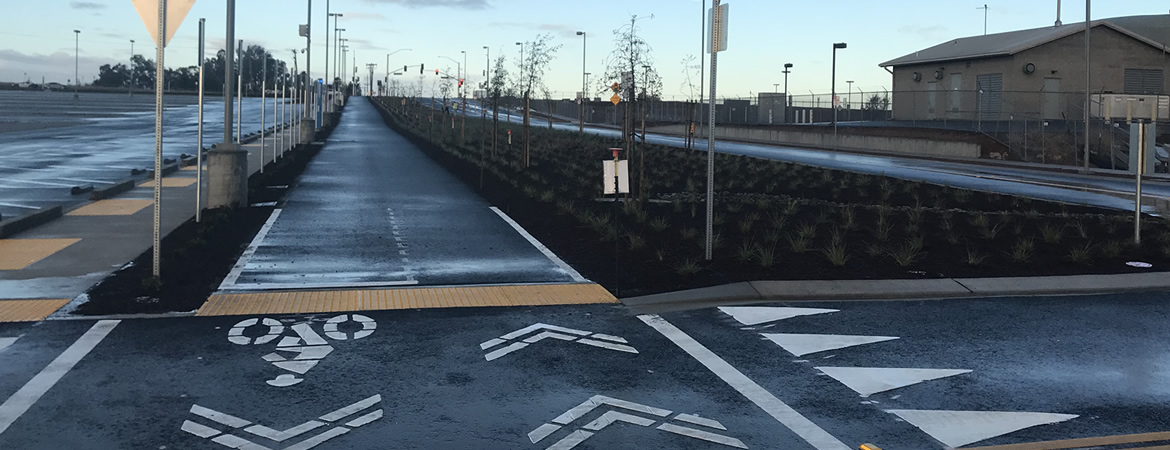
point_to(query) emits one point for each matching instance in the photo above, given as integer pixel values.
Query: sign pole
(263, 106)
(160, 72)
(199, 139)
(1141, 167)
(715, 43)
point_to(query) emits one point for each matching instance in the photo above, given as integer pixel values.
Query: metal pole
(199, 138)
(130, 81)
(263, 107)
(1141, 167)
(308, 56)
(833, 96)
(581, 118)
(275, 148)
(240, 94)
(1088, 83)
(228, 69)
(702, 61)
(715, 20)
(160, 72)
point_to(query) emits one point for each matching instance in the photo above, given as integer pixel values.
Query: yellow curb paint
(404, 298)
(170, 182)
(29, 310)
(17, 254)
(111, 208)
(1086, 442)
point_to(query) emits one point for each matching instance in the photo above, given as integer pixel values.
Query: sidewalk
(45, 268)
(850, 290)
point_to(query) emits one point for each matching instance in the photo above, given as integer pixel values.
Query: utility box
(1123, 106)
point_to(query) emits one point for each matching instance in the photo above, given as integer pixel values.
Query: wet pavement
(372, 210)
(596, 377)
(49, 143)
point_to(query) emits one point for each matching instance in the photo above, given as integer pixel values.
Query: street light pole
(849, 101)
(1089, 85)
(787, 101)
(76, 72)
(581, 99)
(833, 100)
(130, 80)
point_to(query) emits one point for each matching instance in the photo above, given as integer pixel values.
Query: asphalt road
(372, 210)
(445, 379)
(49, 143)
(1105, 192)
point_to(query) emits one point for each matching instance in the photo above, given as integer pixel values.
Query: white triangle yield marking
(755, 315)
(871, 380)
(804, 344)
(5, 342)
(959, 428)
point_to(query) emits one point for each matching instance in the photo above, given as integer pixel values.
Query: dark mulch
(197, 256)
(885, 228)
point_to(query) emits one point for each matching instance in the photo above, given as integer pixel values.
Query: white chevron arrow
(614, 415)
(551, 332)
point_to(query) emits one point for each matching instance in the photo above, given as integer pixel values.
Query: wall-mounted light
(938, 74)
(916, 76)
(1029, 68)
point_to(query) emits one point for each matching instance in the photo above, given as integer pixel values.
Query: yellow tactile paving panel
(111, 208)
(170, 182)
(16, 254)
(406, 298)
(29, 310)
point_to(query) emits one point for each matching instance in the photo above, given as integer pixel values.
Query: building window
(989, 90)
(1143, 81)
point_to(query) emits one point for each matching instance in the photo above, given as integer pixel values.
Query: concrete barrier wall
(910, 146)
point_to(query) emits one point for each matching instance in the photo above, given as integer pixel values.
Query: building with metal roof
(1035, 73)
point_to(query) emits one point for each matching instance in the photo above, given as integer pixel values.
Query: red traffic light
(460, 82)
(436, 71)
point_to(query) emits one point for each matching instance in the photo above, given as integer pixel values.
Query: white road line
(247, 256)
(79, 180)
(43, 183)
(6, 342)
(806, 429)
(704, 435)
(535, 243)
(340, 285)
(23, 399)
(15, 205)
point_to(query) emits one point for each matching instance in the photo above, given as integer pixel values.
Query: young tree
(538, 54)
(497, 88)
(631, 63)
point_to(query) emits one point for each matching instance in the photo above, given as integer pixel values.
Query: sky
(37, 38)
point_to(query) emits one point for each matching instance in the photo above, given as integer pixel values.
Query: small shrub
(807, 231)
(735, 208)
(875, 250)
(1022, 250)
(687, 267)
(635, 242)
(883, 230)
(659, 224)
(1032, 214)
(766, 257)
(906, 255)
(745, 226)
(952, 237)
(1111, 249)
(990, 233)
(824, 216)
(747, 250)
(799, 244)
(848, 218)
(688, 233)
(974, 258)
(980, 220)
(1051, 234)
(836, 254)
(1081, 255)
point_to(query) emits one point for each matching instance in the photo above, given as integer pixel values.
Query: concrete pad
(859, 289)
(170, 182)
(727, 292)
(112, 208)
(1082, 284)
(16, 254)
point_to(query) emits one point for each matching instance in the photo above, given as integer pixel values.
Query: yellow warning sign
(615, 99)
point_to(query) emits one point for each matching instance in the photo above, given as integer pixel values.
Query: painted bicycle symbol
(300, 353)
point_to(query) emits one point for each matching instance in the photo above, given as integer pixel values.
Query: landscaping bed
(773, 220)
(197, 256)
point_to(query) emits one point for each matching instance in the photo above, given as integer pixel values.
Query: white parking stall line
(17, 205)
(82, 180)
(790, 418)
(34, 389)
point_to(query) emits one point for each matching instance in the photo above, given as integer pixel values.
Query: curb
(107, 192)
(40, 217)
(863, 290)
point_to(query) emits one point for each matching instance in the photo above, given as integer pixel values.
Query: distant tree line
(141, 73)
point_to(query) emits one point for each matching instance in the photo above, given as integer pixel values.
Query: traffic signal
(403, 69)
(436, 71)
(420, 68)
(460, 82)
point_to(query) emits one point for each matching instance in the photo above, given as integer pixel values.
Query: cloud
(557, 29)
(57, 66)
(459, 4)
(363, 16)
(86, 5)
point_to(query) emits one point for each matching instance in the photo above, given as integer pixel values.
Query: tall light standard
(581, 99)
(76, 48)
(849, 101)
(387, 82)
(525, 93)
(787, 101)
(130, 79)
(833, 99)
(337, 66)
(328, 43)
